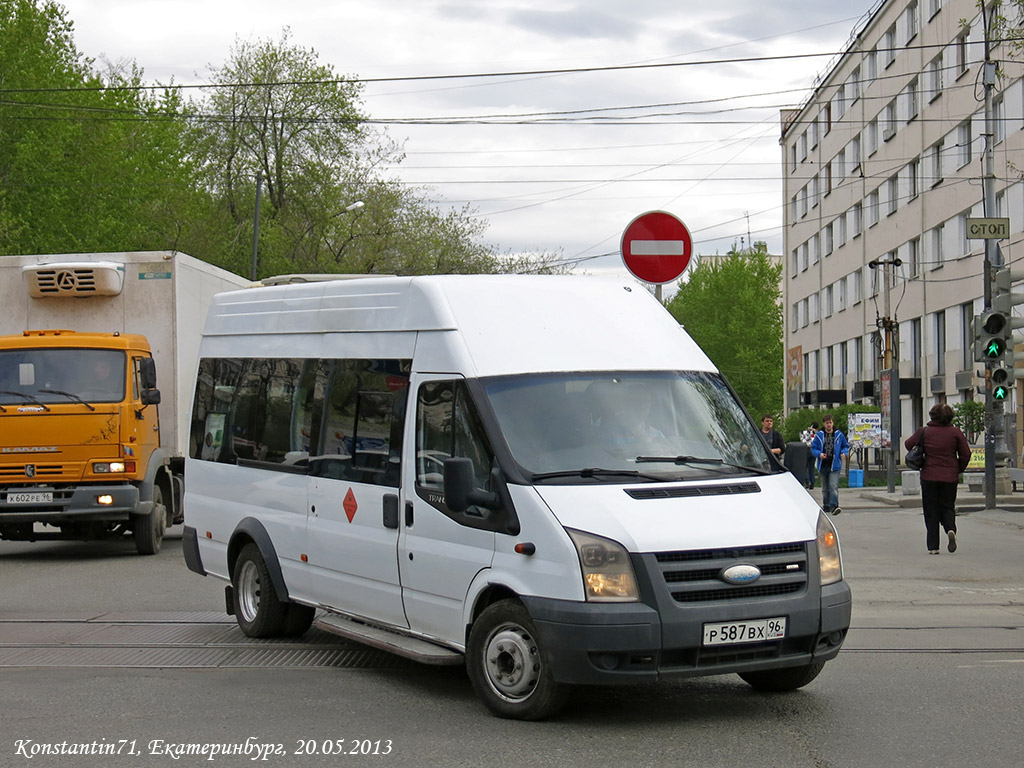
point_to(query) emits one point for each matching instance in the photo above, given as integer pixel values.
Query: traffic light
(1003, 301)
(991, 336)
(1002, 382)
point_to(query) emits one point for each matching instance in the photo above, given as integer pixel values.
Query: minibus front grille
(690, 491)
(698, 576)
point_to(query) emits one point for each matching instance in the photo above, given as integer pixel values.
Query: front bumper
(72, 504)
(595, 643)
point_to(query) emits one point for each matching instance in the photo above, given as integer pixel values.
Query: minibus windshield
(625, 427)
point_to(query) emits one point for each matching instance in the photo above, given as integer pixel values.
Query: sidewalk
(878, 498)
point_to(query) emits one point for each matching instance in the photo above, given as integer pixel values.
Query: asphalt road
(931, 675)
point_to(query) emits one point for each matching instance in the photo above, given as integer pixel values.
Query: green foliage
(799, 420)
(969, 416)
(87, 160)
(731, 307)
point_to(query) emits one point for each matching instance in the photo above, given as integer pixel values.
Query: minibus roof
(506, 323)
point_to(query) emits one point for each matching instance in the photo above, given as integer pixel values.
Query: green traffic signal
(994, 349)
(999, 392)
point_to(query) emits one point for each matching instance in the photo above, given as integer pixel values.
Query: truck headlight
(607, 572)
(830, 561)
(113, 467)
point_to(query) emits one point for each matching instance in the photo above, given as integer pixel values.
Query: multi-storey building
(883, 165)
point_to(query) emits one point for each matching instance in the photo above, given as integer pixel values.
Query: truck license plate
(36, 497)
(754, 631)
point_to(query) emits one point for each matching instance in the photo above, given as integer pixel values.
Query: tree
(88, 160)
(279, 113)
(731, 307)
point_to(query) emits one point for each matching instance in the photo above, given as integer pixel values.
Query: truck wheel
(297, 620)
(508, 668)
(148, 530)
(258, 610)
(782, 680)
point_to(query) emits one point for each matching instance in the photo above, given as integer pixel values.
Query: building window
(940, 342)
(963, 140)
(815, 249)
(914, 257)
(828, 238)
(841, 234)
(795, 262)
(827, 301)
(962, 60)
(792, 158)
(803, 257)
(840, 164)
(828, 179)
(853, 154)
(803, 313)
(814, 309)
(873, 208)
(840, 101)
(889, 121)
(967, 354)
(913, 174)
(998, 118)
(841, 290)
(937, 256)
(965, 244)
(856, 219)
(889, 46)
(871, 137)
(935, 78)
(1000, 210)
(892, 188)
(912, 99)
(935, 163)
(795, 319)
(803, 201)
(871, 65)
(856, 287)
(934, 6)
(828, 117)
(912, 20)
(815, 130)
(802, 146)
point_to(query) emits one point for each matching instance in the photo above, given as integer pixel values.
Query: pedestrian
(807, 437)
(828, 447)
(771, 437)
(946, 454)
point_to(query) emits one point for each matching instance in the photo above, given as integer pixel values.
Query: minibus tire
(258, 610)
(148, 530)
(782, 680)
(297, 620)
(503, 642)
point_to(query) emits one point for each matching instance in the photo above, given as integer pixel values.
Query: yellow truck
(97, 360)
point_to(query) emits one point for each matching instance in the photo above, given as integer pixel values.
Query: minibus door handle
(390, 510)
(408, 514)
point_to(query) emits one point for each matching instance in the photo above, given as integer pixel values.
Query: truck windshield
(601, 427)
(61, 375)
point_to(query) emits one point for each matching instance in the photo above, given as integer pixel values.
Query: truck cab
(80, 439)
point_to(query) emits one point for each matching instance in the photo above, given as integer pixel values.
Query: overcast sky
(570, 187)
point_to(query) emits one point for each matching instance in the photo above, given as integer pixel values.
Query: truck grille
(696, 576)
(17, 472)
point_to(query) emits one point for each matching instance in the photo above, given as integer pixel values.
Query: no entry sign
(656, 247)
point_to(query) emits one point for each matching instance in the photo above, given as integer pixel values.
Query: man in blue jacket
(828, 448)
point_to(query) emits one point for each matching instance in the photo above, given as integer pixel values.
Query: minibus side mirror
(460, 492)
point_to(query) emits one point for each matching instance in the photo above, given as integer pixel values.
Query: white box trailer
(136, 302)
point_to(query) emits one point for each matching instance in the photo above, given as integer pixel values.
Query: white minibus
(541, 477)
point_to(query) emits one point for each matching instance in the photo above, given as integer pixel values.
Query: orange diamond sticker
(350, 505)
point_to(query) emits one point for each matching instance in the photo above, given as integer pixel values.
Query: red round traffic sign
(656, 247)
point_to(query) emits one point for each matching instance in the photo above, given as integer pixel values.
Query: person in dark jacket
(946, 454)
(771, 436)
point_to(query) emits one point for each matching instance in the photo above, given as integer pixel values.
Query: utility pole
(889, 380)
(256, 226)
(994, 439)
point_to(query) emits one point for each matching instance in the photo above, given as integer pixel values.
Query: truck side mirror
(147, 372)
(150, 397)
(460, 492)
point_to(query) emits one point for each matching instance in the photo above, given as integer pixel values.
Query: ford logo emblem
(741, 574)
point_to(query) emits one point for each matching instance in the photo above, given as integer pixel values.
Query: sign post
(656, 248)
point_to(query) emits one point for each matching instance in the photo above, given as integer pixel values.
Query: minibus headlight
(830, 561)
(607, 572)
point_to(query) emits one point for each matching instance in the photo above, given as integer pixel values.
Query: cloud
(581, 22)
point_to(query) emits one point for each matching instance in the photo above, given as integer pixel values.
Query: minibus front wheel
(258, 610)
(507, 666)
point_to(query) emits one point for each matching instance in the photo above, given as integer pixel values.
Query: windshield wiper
(699, 460)
(596, 472)
(28, 398)
(68, 394)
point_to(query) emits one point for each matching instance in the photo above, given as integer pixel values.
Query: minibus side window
(364, 417)
(447, 425)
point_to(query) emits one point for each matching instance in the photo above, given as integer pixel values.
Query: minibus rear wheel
(782, 680)
(258, 610)
(507, 666)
